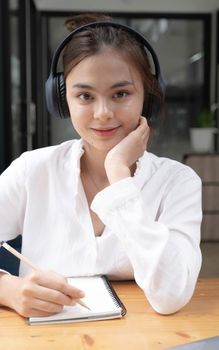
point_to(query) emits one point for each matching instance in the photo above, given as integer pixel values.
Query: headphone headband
(55, 84)
(140, 38)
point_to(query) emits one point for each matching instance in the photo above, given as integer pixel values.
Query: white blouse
(152, 222)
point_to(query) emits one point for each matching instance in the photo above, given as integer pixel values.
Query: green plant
(205, 119)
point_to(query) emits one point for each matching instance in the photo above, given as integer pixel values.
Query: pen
(30, 264)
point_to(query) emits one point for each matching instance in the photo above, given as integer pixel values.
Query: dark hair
(92, 40)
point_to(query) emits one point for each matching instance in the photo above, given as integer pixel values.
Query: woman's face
(105, 96)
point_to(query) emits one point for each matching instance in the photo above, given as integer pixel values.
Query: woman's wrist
(6, 286)
(116, 173)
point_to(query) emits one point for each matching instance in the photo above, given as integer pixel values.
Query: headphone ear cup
(61, 96)
(152, 107)
(152, 111)
(56, 96)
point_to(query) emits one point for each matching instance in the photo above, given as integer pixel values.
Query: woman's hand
(121, 157)
(38, 294)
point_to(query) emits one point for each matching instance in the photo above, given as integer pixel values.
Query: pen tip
(2, 242)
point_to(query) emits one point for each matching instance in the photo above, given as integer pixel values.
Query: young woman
(102, 204)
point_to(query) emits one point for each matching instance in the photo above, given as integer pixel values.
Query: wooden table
(140, 329)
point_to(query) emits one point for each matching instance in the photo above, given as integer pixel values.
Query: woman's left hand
(121, 157)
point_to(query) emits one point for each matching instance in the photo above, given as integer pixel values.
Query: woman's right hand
(38, 294)
(123, 155)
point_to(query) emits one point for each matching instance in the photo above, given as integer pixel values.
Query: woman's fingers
(49, 295)
(45, 307)
(56, 285)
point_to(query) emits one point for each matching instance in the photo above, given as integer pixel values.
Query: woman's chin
(101, 146)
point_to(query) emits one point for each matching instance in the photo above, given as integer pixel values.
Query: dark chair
(8, 261)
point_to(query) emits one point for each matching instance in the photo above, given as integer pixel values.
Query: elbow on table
(170, 304)
(166, 310)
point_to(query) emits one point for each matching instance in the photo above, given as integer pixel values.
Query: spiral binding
(114, 295)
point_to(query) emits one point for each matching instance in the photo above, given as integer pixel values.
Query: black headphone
(55, 84)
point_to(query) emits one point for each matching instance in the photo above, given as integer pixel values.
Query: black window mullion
(5, 88)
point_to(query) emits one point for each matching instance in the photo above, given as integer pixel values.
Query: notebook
(100, 297)
(204, 344)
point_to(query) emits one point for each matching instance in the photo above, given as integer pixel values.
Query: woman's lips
(105, 132)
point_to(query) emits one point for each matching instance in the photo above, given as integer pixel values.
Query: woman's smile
(106, 132)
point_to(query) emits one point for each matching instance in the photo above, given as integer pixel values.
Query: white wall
(198, 6)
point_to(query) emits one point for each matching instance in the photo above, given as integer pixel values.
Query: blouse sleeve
(164, 251)
(12, 200)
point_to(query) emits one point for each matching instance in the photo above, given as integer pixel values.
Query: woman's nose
(103, 111)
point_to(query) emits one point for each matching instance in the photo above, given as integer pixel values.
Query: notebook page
(97, 296)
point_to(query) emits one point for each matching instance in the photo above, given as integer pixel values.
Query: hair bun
(77, 21)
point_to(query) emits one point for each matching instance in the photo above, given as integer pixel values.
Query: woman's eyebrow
(122, 84)
(82, 86)
(116, 85)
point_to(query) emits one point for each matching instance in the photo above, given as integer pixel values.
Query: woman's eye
(121, 94)
(84, 96)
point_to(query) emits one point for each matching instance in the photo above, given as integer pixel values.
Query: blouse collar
(143, 173)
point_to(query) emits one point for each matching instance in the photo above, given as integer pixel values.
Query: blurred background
(185, 36)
